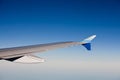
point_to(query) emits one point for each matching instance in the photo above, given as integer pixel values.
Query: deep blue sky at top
(82, 12)
(57, 20)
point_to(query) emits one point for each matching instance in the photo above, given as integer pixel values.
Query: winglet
(87, 42)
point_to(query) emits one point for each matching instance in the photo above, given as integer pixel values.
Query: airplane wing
(24, 54)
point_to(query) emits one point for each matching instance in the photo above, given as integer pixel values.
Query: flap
(26, 59)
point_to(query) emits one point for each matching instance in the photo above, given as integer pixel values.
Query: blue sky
(26, 22)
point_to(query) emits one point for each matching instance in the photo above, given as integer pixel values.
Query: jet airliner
(24, 54)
